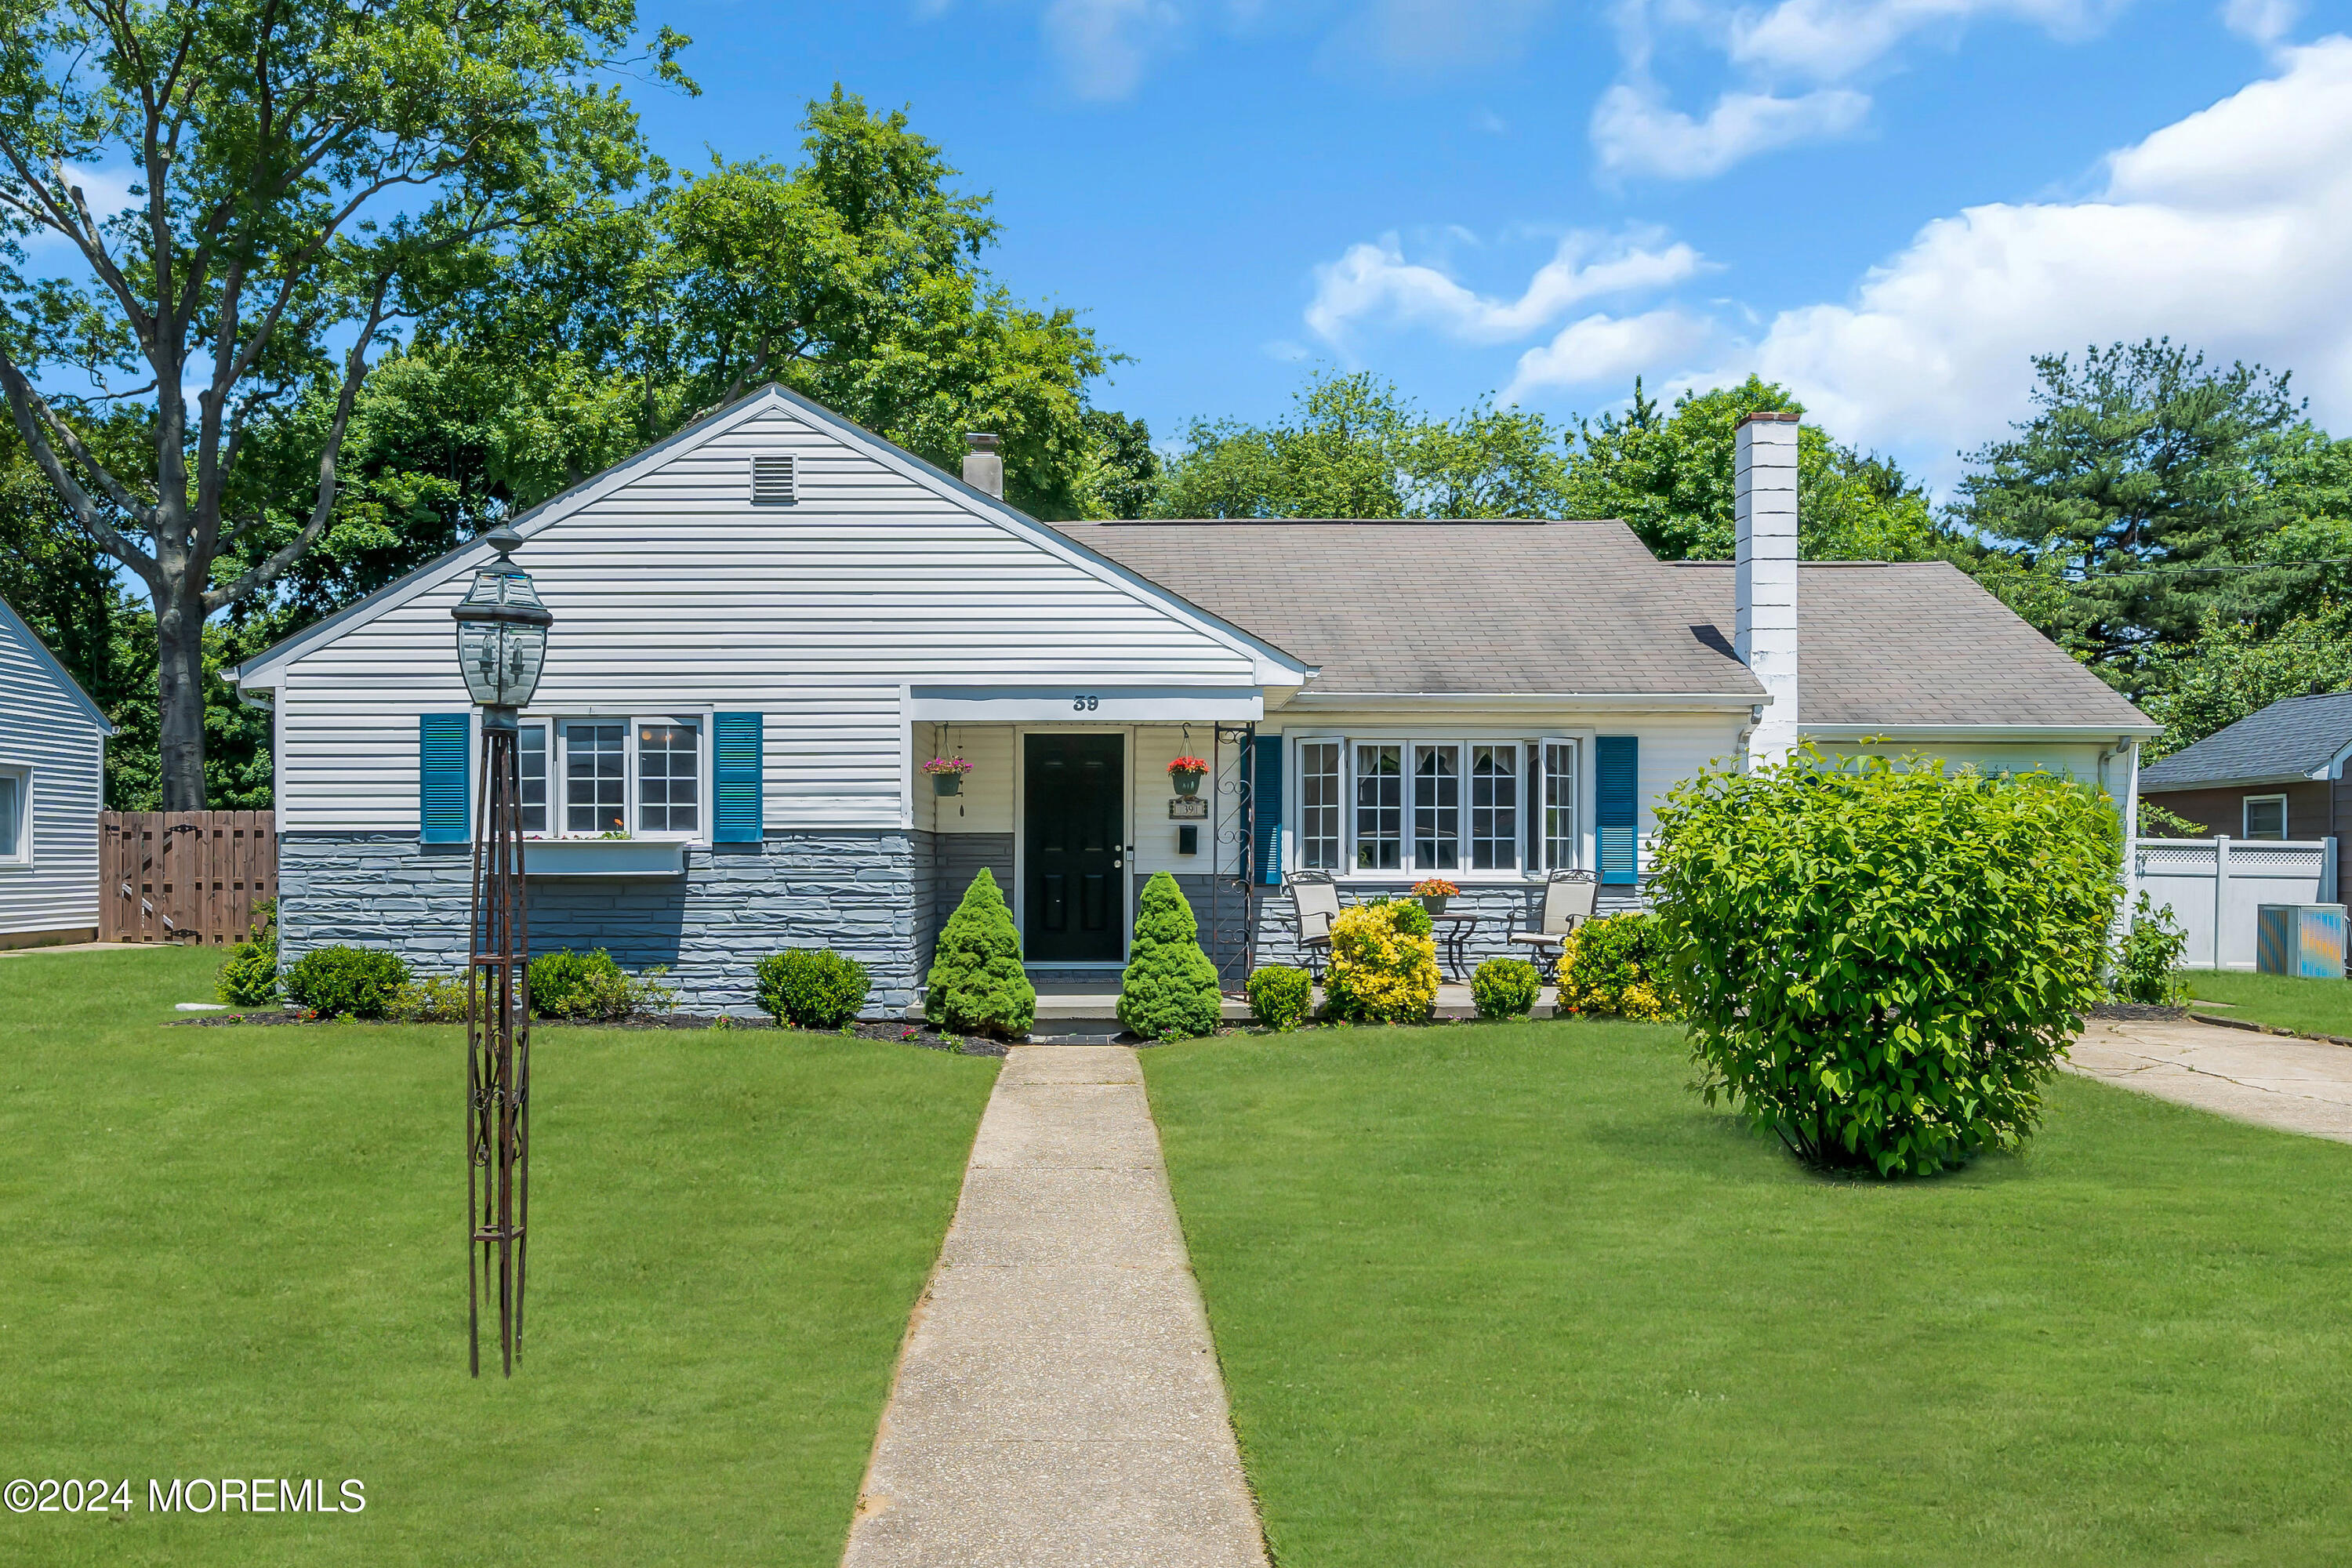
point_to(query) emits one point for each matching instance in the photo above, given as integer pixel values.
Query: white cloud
(1635, 132)
(1429, 35)
(1373, 284)
(1602, 348)
(2263, 21)
(1104, 44)
(1830, 40)
(2225, 230)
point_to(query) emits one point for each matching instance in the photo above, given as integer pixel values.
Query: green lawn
(2314, 1006)
(239, 1252)
(1512, 1295)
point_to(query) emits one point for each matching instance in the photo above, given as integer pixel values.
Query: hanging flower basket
(1185, 772)
(1433, 893)
(947, 775)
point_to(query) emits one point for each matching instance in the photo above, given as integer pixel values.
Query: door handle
(1117, 864)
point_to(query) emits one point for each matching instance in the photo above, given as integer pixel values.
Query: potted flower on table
(947, 775)
(1433, 893)
(1185, 772)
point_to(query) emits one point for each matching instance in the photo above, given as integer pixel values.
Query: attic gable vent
(774, 480)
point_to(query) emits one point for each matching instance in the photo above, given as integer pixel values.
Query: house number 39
(1085, 704)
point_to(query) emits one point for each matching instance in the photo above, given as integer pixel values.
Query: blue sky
(1888, 203)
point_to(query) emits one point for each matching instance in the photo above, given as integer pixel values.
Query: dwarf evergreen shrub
(815, 989)
(1280, 995)
(1616, 967)
(1505, 988)
(1383, 963)
(248, 975)
(976, 985)
(346, 981)
(1169, 990)
(1882, 964)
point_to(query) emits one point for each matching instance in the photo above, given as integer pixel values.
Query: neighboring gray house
(52, 782)
(1487, 701)
(2278, 773)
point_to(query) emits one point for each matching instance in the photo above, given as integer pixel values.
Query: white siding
(674, 591)
(45, 727)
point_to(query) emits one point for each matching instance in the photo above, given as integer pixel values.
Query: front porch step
(1065, 1002)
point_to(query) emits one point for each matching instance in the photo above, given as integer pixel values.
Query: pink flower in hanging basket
(947, 765)
(1189, 765)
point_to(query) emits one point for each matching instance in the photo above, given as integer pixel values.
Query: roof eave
(1518, 701)
(2144, 731)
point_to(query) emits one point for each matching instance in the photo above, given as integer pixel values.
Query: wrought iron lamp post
(501, 647)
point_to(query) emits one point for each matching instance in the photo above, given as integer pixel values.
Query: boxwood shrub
(813, 988)
(1505, 988)
(1882, 962)
(1279, 995)
(346, 981)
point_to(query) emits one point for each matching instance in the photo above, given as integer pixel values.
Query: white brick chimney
(1765, 633)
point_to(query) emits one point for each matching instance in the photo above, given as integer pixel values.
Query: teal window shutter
(735, 778)
(1616, 769)
(1265, 805)
(443, 803)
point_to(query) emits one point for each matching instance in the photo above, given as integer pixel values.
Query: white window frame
(1517, 838)
(23, 857)
(1347, 848)
(1577, 768)
(1461, 809)
(1297, 803)
(2246, 816)
(555, 718)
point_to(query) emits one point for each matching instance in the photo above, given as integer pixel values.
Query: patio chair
(1314, 905)
(1567, 903)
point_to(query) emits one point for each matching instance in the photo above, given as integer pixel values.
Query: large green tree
(1668, 474)
(302, 174)
(1355, 447)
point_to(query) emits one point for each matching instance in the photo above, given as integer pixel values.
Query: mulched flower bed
(2142, 1011)
(896, 1033)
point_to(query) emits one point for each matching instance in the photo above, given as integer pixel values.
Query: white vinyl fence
(2214, 884)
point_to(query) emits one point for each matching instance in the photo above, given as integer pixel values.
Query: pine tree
(977, 985)
(1169, 989)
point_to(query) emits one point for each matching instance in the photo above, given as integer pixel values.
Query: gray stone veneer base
(855, 891)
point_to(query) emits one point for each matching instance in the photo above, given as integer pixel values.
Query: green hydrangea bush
(813, 988)
(1280, 996)
(346, 981)
(1169, 989)
(1881, 963)
(248, 975)
(592, 985)
(976, 985)
(2148, 969)
(1505, 988)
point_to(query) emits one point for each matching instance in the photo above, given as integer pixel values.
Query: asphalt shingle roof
(1568, 607)
(2289, 739)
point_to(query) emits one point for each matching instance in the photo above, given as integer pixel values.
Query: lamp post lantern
(501, 648)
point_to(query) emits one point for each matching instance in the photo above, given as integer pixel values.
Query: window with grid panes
(1494, 807)
(1318, 805)
(596, 776)
(1437, 808)
(668, 784)
(1380, 808)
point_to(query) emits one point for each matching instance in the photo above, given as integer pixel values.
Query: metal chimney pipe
(983, 468)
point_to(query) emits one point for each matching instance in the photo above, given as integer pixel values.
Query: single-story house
(766, 625)
(2278, 773)
(52, 783)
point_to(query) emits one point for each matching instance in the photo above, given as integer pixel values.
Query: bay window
(641, 777)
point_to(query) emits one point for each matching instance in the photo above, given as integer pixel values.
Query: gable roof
(14, 624)
(1397, 608)
(1275, 665)
(1921, 645)
(2295, 738)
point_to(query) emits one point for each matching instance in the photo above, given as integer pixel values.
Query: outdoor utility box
(2305, 940)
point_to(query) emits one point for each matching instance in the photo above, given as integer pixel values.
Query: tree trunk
(180, 690)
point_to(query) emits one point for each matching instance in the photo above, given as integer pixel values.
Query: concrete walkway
(2295, 1086)
(1058, 1400)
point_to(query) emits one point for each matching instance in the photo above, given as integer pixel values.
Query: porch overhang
(1079, 702)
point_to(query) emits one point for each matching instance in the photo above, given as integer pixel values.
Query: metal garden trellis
(501, 647)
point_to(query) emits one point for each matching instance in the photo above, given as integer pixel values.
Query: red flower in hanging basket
(1435, 888)
(1189, 765)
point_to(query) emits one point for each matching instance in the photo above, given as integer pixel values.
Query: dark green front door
(1076, 821)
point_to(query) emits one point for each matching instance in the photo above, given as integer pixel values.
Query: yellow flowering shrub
(1383, 963)
(1611, 968)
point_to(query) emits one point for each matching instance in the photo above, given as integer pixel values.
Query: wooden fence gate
(184, 876)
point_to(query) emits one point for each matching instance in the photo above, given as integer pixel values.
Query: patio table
(1454, 928)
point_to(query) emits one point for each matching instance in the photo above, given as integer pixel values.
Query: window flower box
(576, 857)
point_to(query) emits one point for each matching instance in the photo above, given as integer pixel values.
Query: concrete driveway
(2272, 1081)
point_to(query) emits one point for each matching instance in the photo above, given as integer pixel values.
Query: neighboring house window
(2267, 817)
(15, 817)
(1318, 805)
(1559, 837)
(1494, 807)
(1437, 808)
(1380, 808)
